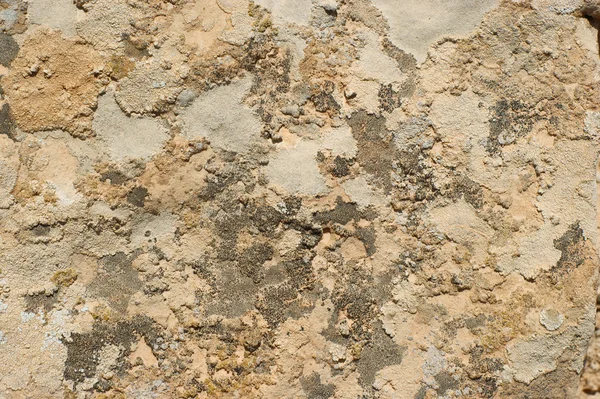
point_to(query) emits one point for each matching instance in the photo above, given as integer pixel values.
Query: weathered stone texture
(299, 199)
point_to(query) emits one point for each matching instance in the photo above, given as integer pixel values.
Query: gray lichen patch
(296, 169)
(220, 116)
(126, 137)
(61, 15)
(551, 319)
(414, 26)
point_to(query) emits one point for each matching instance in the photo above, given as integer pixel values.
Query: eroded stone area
(298, 199)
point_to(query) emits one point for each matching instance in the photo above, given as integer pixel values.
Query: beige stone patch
(289, 11)
(462, 225)
(401, 380)
(353, 249)
(209, 25)
(536, 356)
(50, 173)
(362, 193)
(363, 94)
(59, 171)
(241, 24)
(168, 190)
(571, 195)
(144, 352)
(154, 229)
(267, 273)
(203, 22)
(291, 240)
(9, 166)
(373, 64)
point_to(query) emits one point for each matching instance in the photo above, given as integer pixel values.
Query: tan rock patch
(54, 84)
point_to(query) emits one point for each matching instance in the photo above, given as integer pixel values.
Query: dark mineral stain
(265, 218)
(389, 99)
(464, 187)
(445, 382)
(572, 247)
(510, 120)
(278, 303)
(43, 301)
(221, 179)
(421, 393)
(240, 282)
(343, 213)
(409, 160)
(83, 349)
(315, 389)
(40, 230)
(252, 259)
(8, 49)
(407, 64)
(488, 386)
(591, 11)
(367, 235)
(137, 196)
(405, 61)
(547, 386)
(474, 324)
(380, 352)
(484, 369)
(292, 205)
(341, 166)
(323, 99)
(272, 72)
(355, 296)
(376, 152)
(300, 270)
(116, 281)
(7, 123)
(234, 294)
(311, 237)
(116, 178)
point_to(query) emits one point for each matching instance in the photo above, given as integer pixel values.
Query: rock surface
(299, 199)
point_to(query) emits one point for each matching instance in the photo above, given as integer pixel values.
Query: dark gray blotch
(7, 123)
(315, 389)
(8, 49)
(381, 352)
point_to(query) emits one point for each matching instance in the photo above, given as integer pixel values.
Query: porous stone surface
(299, 199)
